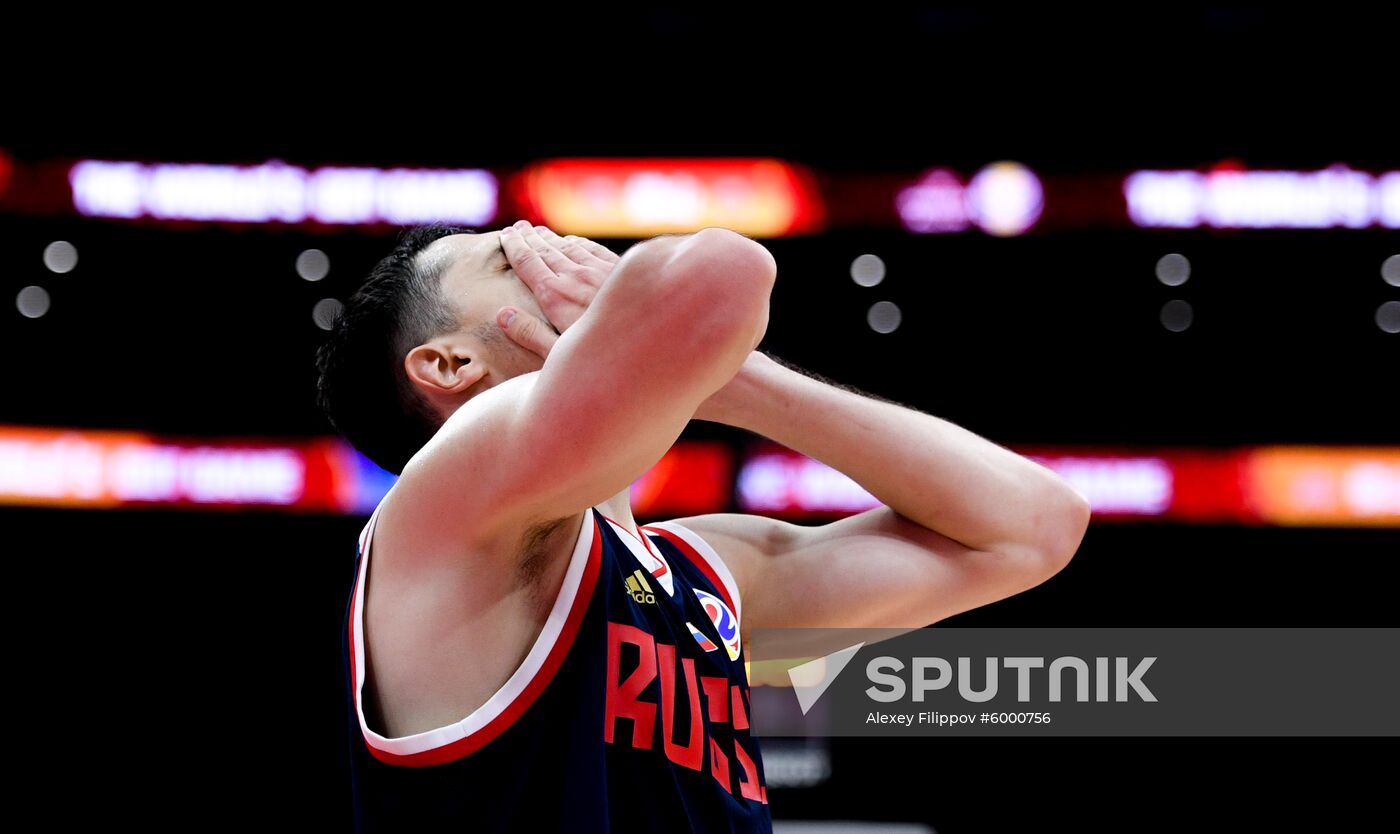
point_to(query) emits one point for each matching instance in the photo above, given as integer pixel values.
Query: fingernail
(504, 317)
(507, 230)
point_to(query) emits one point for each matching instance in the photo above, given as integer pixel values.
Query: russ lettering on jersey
(629, 713)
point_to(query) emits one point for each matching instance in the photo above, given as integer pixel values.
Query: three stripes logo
(639, 589)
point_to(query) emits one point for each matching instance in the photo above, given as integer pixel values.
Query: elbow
(733, 261)
(1066, 520)
(764, 267)
(723, 281)
(1059, 522)
(716, 247)
(712, 236)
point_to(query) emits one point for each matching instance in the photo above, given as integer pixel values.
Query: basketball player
(520, 654)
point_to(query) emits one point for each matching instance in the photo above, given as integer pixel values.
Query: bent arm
(966, 522)
(673, 324)
(929, 470)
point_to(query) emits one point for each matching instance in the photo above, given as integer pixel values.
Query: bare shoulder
(456, 491)
(422, 595)
(517, 554)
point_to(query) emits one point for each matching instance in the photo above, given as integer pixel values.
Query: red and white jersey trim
(705, 558)
(648, 556)
(453, 741)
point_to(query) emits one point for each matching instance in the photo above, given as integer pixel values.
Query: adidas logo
(639, 589)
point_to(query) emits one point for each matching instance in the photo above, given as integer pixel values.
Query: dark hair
(362, 386)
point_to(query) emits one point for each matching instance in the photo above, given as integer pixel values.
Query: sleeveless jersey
(629, 713)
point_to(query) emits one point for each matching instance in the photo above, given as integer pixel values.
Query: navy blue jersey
(630, 712)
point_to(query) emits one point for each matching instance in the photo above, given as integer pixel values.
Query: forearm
(927, 469)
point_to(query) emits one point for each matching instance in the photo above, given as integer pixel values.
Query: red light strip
(1275, 485)
(644, 197)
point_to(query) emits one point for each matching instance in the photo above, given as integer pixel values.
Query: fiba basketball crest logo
(724, 621)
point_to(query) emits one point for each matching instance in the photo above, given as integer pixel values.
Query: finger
(552, 257)
(579, 292)
(526, 330)
(599, 251)
(574, 249)
(528, 265)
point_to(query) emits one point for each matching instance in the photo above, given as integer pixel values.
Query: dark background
(183, 669)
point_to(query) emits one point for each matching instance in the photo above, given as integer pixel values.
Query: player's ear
(440, 368)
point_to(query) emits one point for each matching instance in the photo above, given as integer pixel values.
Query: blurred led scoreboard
(1274, 485)
(763, 197)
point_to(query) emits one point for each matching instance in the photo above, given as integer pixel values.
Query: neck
(619, 509)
